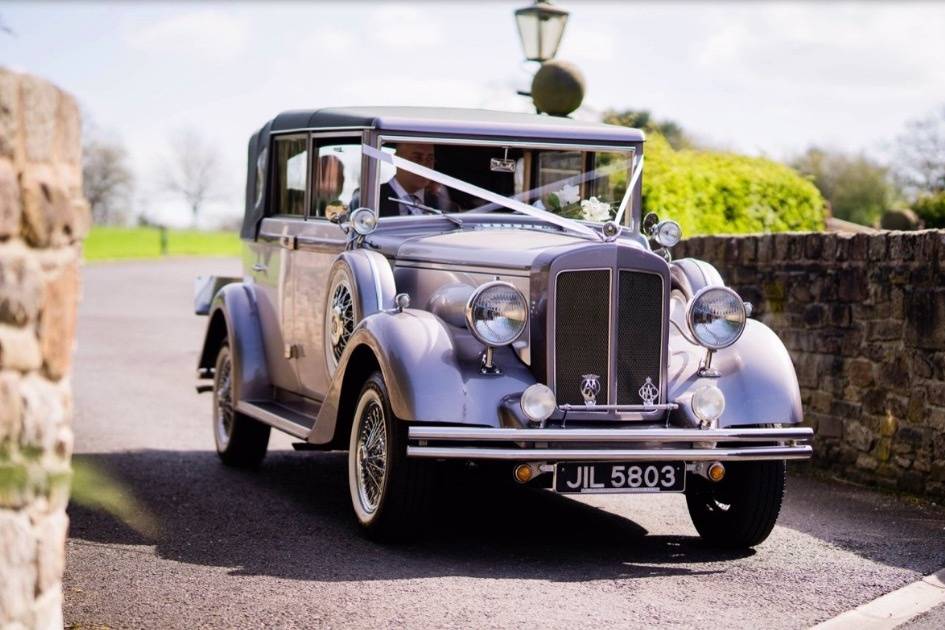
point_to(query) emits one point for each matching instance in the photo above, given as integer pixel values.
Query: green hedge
(723, 193)
(931, 209)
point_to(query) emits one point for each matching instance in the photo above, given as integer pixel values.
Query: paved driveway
(279, 548)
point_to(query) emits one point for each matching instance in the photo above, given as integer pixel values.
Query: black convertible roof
(454, 120)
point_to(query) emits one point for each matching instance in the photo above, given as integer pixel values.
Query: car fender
(373, 279)
(757, 378)
(431, 369)
(234, 307)
(689, 275)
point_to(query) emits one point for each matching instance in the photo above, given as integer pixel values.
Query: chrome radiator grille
(638, 335)
(585, 344)
(582, 319)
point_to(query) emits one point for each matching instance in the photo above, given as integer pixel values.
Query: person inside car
(411, 188)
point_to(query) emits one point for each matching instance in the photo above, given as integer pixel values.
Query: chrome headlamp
(496, 313)
(716, 317)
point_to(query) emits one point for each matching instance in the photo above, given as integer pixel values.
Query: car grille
(583, 341)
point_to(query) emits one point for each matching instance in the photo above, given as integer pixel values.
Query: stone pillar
(43, 218)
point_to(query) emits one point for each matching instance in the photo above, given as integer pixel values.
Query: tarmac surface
(279, 547)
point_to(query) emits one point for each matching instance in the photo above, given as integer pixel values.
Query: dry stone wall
(863, 317)
(43, 218)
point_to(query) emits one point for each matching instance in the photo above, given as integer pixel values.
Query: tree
(858, 189)
(107, 181)
(642, 119)
(192, 170)
(920, 153)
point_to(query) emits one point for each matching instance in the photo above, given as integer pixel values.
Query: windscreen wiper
(419, 205)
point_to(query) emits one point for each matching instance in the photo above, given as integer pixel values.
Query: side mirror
(363, 221)
(649, 222)
(336, 213)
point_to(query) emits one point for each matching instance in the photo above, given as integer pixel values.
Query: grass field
(111, 243)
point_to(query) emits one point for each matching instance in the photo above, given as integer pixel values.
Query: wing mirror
(363, 221)
(665, 233)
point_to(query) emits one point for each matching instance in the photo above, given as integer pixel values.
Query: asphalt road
(278, 548)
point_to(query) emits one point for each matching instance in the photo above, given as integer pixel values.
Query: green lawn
(110, 243)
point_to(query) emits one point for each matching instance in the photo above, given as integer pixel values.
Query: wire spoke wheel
(340, 318)
(390, 493)
(371, 456)
(241, 441)
(223, 401)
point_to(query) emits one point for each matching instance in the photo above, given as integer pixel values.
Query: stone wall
(43, 217)
(863, 317)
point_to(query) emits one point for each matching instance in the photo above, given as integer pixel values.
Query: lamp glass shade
(540, 27)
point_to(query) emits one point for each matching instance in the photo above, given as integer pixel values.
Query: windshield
(569, 183)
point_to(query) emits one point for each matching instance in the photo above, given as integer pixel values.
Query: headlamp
(716, 317)
(496, 313)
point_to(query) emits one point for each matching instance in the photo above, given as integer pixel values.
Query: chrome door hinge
(293, 351)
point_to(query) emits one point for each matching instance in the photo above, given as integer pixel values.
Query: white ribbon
(482, 193)
(625, 202)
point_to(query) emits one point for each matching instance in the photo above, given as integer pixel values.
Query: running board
(278, 417)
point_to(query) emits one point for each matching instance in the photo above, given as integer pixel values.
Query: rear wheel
(739, 511)
(241, 441)
(390, 493)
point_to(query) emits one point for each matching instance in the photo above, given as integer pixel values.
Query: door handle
(260, 267)
(288, 241)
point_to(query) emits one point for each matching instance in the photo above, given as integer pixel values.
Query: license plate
(608, 477)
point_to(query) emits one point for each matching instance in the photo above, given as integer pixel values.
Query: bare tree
(192, 171)
(106, 180)
(921, 154)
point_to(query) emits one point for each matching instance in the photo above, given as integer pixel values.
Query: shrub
(723, 193)
(931, 209)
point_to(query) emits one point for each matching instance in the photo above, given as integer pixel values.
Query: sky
(764, 78)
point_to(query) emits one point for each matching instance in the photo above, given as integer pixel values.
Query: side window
(289, 179)
(337, 178)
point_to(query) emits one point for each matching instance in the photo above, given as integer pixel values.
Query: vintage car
(424, 285)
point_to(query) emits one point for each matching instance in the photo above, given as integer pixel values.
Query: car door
(272, 267)
(336, 173)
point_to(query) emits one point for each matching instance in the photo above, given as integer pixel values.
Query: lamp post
(540, 28)
(558, 86)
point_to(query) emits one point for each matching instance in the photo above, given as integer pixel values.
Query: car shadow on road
(292, 519)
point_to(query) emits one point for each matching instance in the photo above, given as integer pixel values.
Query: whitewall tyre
(390, 494)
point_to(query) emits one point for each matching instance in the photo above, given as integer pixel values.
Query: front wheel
(739, 511)
(390, 494)
(241, 441)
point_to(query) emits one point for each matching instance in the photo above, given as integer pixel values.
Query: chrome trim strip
(639, 455)
(378, 294)
(511, 141)
(482, 434)
(628, 408)
(273, 420)
(519, 272)
(317, 130)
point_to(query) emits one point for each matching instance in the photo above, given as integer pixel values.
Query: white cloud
(210, 32)
(405, 28)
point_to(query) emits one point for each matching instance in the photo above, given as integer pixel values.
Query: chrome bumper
(691, 445)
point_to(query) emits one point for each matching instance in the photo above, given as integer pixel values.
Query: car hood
(503, 248)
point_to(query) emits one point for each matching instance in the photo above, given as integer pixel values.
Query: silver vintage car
(424, 285)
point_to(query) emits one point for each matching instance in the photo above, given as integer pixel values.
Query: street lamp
(540, 28)
(558, 86)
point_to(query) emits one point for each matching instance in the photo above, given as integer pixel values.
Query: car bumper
(530, 445)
